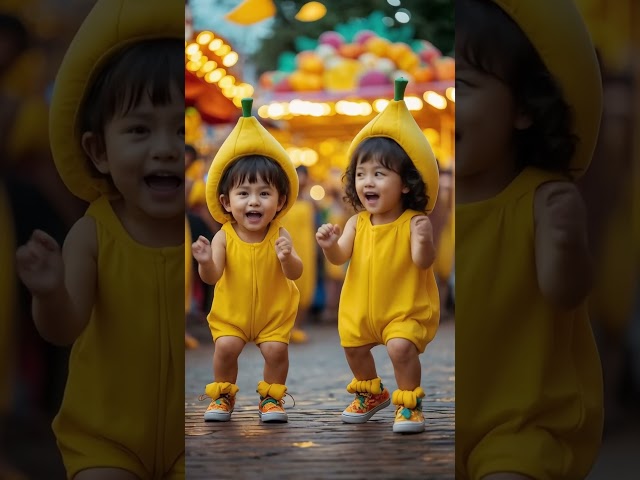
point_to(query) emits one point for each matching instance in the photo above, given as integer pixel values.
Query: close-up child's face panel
(144, 155)
(253, 204)
(378, 187)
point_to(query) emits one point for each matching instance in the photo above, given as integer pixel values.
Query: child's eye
(359, 174)
(137, 129)
(379, 174)
(265, 194)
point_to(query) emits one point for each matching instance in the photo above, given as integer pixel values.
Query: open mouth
(163, 182)
(254, 216)
(371, 197)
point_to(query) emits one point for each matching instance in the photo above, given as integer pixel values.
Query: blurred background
(318, 72)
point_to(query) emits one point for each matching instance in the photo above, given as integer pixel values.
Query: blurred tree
(431, 20)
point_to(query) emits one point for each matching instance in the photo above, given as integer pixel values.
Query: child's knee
(228, 348)
(275, 351)
(357, 352)
(401, 350)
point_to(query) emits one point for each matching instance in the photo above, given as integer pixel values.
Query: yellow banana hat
(111, 25)
(248, 137)
(397, 123)
(559, 35)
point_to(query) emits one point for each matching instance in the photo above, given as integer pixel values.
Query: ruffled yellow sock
(407, 398)
(366, 386)
(216, 389)
(273, 390)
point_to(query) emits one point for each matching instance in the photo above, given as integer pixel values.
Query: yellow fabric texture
(300, 223)
(528, 380)
(397, 123)
(110, 26)
(548, 24)
(127, 366)
(365, 386)
(273, 390)
(443, 264)
(248, 137)
(407, 398)
(216, 389)
(385, 295)
(7, 299)
(188, 271)
(253, 300)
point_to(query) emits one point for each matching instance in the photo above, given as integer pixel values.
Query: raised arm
(63, 284)
(423, 251)
(210, 256)
(563, 261)
(336, 247)
(289, 259)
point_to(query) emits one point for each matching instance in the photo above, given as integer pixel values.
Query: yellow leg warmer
(407, 398)
(365, 386)
(273, 390)
(216, 389)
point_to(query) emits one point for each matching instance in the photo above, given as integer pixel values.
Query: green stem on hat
(247, 103)
(399, 85)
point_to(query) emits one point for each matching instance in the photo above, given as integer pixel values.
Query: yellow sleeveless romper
(528, 377)
(253, 299)
(187, 266)
(7, 299)
(126, 370)
(385, 295)
(300, 223)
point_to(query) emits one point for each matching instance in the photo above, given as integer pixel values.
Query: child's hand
(562, 205)
(40, 265)
(201, 250)
(283, 248)
(327, 235)
(422, 228)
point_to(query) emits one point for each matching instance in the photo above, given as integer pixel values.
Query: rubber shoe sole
(273, 417)
(217, 416)
(408, 427)
(348, 417)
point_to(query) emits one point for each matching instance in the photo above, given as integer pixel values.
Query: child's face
(143, 153)
(379, 189)
(486, 121)
(253, 205)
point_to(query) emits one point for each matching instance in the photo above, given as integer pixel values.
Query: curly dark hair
(491, 42)
(392, 156)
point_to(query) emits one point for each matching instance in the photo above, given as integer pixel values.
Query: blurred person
(252, 263)
(390, 296)
(114, 292)
(528, 375)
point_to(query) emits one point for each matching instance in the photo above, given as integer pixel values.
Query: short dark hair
(252, 167)
(491, 42)
(392, 156)
(149, 67)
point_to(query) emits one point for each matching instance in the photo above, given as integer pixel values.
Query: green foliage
(431, 20)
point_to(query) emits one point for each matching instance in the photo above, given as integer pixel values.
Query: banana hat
(110, 25)
(558, 33)
(397, 123)
(248, 137)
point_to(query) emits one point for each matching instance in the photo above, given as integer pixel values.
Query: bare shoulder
(351, 223)
(82, 237)
(553, 198)
(220, 238)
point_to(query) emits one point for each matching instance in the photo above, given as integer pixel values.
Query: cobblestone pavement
(315, 444)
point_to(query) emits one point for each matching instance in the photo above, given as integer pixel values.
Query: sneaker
(365, 405)
(220, 410)
(272, 410)
(409, 420)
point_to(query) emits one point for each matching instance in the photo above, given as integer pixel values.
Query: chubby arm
(63, 284)
(337, 248)
(563, 261)
(289, 259)
(423, 251)
(211, 256)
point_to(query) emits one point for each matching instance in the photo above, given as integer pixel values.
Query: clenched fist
(327, 235)
(422, 228)
(40, 265)
(201, 250)
(283, 248)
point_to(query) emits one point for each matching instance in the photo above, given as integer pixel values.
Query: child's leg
(225, 358)
(105, 474)
(276, 361)
(361, 362)
(406, 363)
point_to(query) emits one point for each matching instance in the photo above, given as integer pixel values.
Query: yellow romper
(300, 223)
(528, 377)
(253, 299)
(125, 389)
(187, 266)
(385, 295)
